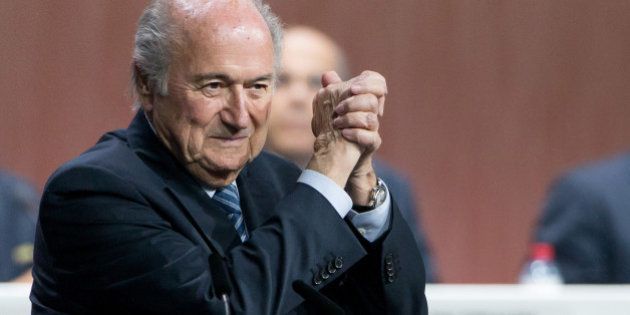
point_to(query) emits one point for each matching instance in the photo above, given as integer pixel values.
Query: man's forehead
(220, 18)
(227, 38)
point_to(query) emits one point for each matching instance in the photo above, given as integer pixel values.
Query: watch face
(379, 196)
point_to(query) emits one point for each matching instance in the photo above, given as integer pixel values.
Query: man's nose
(236, 113)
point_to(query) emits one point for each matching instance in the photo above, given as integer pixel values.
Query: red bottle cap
(542, 251)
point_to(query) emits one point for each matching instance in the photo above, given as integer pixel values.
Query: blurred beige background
(489, 100)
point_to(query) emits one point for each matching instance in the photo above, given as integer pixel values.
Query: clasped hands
(345, 124)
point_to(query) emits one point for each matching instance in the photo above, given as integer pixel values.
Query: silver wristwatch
(378, 194)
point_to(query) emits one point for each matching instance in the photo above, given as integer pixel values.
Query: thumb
(330, 77)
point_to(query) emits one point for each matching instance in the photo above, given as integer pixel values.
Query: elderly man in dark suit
(307, 53)
(181, 213)
(587, 220)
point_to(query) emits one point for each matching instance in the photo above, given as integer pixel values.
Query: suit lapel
(205, 216)
(258, 195)
(204, 212)
(250, 208)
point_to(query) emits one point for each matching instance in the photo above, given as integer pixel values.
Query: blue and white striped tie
(229, 200)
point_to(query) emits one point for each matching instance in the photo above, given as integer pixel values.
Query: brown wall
(489, 100)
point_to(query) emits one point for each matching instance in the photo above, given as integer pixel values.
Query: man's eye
(260, 86)
(213, 86)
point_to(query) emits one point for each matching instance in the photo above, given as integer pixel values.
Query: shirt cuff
(337, 197)
(372, 224)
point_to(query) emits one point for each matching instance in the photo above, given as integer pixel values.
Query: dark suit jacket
(400, 190)
(125, 229)
(587, 219)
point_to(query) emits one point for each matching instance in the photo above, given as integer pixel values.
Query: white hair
(157, 35)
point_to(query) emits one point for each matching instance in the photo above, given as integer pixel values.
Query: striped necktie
(229, 200)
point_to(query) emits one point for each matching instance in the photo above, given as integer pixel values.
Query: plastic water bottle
(541, 267)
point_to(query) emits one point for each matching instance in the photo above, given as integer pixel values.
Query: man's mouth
(231, 140)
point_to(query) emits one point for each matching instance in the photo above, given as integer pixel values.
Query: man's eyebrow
(211, 76)
(226, 78)
(266, 77)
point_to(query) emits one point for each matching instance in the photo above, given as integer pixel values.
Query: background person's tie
(229, 200)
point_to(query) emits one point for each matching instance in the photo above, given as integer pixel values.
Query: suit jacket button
(317, 280)
(338, 262)
(390, 272)
(324, 274)
(331, 267)
(389, 259)
(390, 279)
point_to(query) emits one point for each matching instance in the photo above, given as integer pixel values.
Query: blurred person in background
(307, 53)
(18, 212)
(587, 220)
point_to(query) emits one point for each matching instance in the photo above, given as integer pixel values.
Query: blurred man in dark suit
(587, 220)
(306, 54)
(181, 213)
(18, 211)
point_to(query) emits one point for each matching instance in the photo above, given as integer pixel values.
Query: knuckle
(363, 140)
(351, 134)
(372, 102)
(371, 121)
(349, 102)
(358, 120)
(365, 123)
(375, 143)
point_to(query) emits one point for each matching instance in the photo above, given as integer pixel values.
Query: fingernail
(339, 109)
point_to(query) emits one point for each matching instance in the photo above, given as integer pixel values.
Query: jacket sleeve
(102, 247)
(389, 280)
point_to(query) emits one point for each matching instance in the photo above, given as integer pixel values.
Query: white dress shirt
(371, 224)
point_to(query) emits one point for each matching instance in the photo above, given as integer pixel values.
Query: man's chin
(213, 178)
(220, 172)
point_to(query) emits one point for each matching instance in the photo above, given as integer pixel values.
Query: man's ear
(145, 96)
